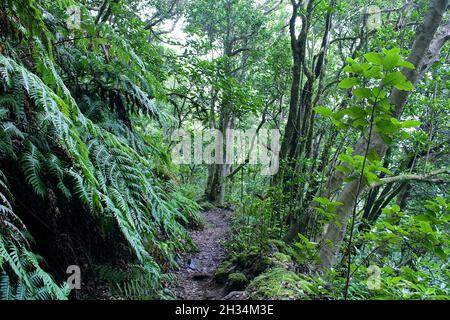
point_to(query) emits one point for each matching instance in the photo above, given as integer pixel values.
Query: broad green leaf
(322, 200)
(373, 72)
(395, 122)
(362, 93)
(423, 217)
(347, 83)
(406, 64)
(391, 60)
(394, 78)
(371, 177)
(350, 179)
(361, 122)
(374, 58)
(343, 169)
(379, 93)
(384, 104)
(373, 156)
(355, 112)
(337, 123)
(404, 135)
(357, 68)
(410, 123)
(426, 227)
(385, 170)
(386, 126)
(323, 111)
(405, 86)
(348, 69)
(346, 158)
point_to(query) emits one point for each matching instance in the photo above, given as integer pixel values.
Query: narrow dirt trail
(195, 278)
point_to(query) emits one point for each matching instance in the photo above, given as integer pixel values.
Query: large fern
(83, 144)
(15, 256)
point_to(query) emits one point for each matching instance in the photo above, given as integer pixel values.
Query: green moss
(237, 281)
(247, 258)
(222, 271)
(282, 260)
(206, 205)
(279, 283)
(261, 264)
(278, 244)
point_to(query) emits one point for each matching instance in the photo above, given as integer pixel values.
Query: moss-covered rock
(282, 260)
(259, 265)
(246, 258)
(236, 281)
(277, 245)
(279, 283)
(222, 272)
(205, 205)
(252, 261)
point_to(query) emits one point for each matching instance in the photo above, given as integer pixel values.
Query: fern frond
(31, 166)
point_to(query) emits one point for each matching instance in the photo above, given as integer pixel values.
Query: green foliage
(82, 143)
(326, 209)
(16, 259)
(236, 281)
(304, 251)
(412, 251)
(85, 112)
(134, 283)
(378, 77)
(280, 284)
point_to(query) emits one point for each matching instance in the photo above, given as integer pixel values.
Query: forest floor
(195, 278)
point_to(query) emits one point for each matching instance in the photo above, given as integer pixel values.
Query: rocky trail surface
(195, 278)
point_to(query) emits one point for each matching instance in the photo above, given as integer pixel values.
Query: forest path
(195, 278)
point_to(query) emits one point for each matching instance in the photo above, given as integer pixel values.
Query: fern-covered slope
(78, 178)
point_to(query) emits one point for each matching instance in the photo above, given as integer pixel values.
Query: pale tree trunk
(211, 167)
(424, 52)
(215, 192)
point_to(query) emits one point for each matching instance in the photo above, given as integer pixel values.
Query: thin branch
(416, 177)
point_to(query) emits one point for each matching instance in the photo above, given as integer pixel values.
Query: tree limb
(416, 177)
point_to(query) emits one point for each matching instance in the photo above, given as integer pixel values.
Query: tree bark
(415, 177)
(298, 50)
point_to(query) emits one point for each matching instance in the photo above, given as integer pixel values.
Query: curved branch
(416, 177)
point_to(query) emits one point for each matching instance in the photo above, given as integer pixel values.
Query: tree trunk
(298, 50)
(215, 191)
